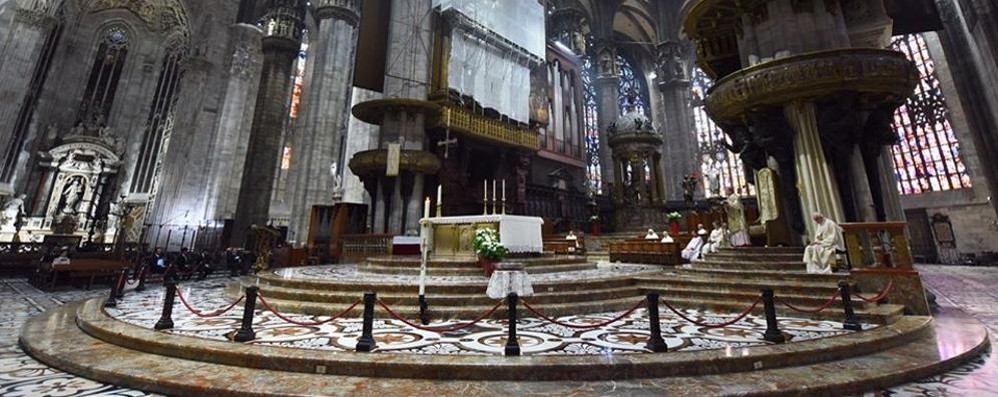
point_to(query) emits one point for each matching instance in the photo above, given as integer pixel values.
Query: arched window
(105, 74)
(160, 122)
(927, 156)
(720, 169)
(632, 79)
(590, 106)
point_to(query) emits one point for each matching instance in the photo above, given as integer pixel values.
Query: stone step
(474, 270)
(764, 250)
(468, 285)
(741, 257)
(747, 297)
(477, 297)
(712, 263)
(771, 275)
(164, 363)
(468, 262)
(725, 285)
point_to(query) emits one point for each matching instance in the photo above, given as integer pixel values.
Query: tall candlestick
(440, 200)
(426, 208)
(494, 198)
(504, 190)
(485, 198)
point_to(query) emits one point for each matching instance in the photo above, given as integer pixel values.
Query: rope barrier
(720, 325)
(592, 326)
(828, 304)
(880, 296)
(202, 314)
(305, 324)
(440, 329)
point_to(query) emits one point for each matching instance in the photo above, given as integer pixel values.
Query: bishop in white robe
(820, 255)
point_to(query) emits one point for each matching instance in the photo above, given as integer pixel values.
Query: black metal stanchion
(851, 322)
(112, 298)
(142, 279)
(166, 319)
(512, 345)
(655, 341)
(121, 282)
(424, 315)
(366, 341)
(246, 332)
(773, 333)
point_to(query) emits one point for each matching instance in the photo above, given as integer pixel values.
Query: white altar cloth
(519, 234)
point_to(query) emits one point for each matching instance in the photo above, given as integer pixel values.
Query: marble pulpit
(454, 235)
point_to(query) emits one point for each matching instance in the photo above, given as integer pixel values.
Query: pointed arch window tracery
(719, 168)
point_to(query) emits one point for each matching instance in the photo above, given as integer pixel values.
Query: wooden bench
(561, 246)
(48, 275)
(646, 252)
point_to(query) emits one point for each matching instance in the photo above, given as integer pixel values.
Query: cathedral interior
(365, 178)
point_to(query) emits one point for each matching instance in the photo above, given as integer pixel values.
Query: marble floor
(970, 289)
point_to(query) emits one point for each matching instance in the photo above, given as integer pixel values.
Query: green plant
(487, 245)
(674, 216)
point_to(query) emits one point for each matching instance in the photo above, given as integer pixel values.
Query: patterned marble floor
(487, 337)
(970, 289)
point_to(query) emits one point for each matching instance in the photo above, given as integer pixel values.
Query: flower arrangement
(487, 245)
(674, 216)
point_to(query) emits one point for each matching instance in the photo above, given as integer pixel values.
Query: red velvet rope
(592, 326)
(880, 296)
(202, 314)
(304, 324)
(810, 311)
(721, 325)
(440, 329)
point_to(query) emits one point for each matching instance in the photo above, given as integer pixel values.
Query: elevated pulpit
(454, 235)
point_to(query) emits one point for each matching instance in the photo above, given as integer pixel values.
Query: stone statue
(72, 195)
(334, 172)
(13, 209)
(714, 176)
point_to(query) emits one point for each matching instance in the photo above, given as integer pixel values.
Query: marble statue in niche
(72, 195)
(12, 210)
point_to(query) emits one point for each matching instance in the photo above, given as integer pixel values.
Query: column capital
(36, 18)
(673, 61)
(346, 10)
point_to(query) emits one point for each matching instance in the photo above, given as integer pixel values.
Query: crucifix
(448, 141)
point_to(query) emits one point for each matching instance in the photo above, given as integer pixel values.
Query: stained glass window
(927, 156)
(719, 168)
(592, 127)
(632, 79)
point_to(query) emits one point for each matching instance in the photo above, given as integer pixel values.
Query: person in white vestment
(736, 219)
(667, 238)
(716, 240)
(692, 250)
(820, 254)
(651, 235)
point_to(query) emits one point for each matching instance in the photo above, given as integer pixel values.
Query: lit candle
(440, 195)
(426, 208)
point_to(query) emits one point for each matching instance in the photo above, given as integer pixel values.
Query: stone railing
(362, 246)
(877, 245)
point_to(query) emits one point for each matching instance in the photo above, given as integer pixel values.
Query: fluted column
(678, 131)
(325, 115)
(281, 44)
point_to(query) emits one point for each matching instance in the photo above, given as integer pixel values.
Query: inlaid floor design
(536, 336)
(970, 289)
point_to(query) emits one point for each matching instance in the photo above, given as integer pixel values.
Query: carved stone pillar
(325, 115)
(24, 42)
(281, 44)
(607, 84)
(679, 148)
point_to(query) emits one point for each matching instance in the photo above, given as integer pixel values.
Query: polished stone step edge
(85, 356)
(92, 320)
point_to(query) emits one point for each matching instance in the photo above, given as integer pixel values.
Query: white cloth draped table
(509, 278)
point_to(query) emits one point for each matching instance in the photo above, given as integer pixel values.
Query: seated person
(651, 235)
(820, 254)
(667, 238)
(692, 250)
(717, 239)
(157, 261)
(574, 239)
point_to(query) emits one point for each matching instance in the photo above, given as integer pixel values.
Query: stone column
(281, 44)
(235, 121)
(888, 186)
(861, 190)
(414, 207)
(379, 209)
(678, 130)
(21, 46)
(608, 89)
(815, 181)
(326, 109)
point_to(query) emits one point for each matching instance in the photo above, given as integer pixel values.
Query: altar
(454, 235)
